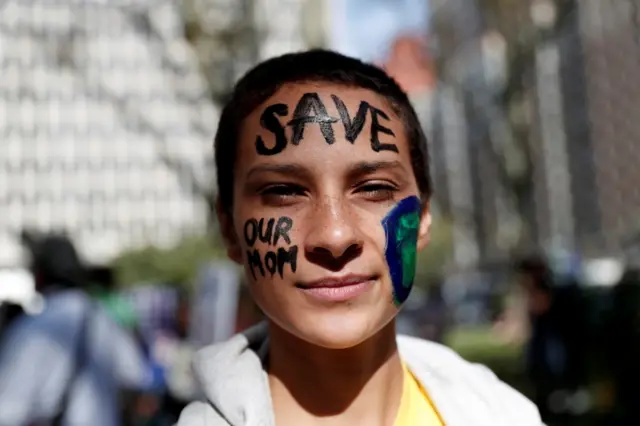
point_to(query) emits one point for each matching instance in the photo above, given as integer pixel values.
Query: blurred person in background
(621, 342)
(173, 350)
(66, 365)
(115, 303)
(324, 192)
(17, 296)
(424, 314)
(140, 406)
(435, 320)
(249, 314)
(557, 348)
(9, 312)
(410, 319)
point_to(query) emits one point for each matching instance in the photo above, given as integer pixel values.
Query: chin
(339, 330)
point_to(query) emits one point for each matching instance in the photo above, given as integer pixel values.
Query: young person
(67, 364)
(324, 198)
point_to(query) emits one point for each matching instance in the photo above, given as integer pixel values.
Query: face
(326, 217)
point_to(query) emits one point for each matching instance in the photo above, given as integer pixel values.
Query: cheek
(271, 262)
(269, 251)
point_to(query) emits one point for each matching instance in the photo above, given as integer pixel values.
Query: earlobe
(227, 230)
(424, 232)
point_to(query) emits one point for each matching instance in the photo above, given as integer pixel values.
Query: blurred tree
(177, 265)
(487, 50)
(536, 23)
(225, 38)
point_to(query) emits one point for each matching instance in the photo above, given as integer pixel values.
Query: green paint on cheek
(401, 229)
(407, 241)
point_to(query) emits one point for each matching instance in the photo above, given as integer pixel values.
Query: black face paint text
(311, 110)
(270, 231)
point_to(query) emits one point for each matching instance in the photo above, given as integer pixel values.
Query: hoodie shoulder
(443, 370)
(233, 382)
(511, 402)
(200, 414)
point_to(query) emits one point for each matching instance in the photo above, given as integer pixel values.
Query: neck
(359, 385)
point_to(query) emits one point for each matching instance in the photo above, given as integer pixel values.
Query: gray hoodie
(237, 389)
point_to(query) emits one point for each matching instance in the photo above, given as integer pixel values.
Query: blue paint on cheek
(401, 226)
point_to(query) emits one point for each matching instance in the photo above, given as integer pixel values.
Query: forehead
(319, 123)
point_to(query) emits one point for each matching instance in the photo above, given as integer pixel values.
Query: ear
(424, 231)
(228, 231)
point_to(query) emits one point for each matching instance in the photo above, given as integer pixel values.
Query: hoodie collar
(235, 382)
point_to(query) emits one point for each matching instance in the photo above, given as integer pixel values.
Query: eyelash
(378, 191)
(285, 194)
(281, 194)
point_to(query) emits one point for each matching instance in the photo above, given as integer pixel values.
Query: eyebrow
(369, 167)
(360, 169)
(282, 169)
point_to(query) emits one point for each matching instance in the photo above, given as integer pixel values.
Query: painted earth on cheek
(401, 230)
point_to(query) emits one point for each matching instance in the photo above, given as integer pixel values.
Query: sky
(366, 28)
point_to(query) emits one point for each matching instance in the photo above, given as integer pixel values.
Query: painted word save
(311, 110)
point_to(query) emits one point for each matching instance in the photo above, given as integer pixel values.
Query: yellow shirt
(416, 408)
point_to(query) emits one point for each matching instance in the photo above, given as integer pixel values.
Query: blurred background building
(537, 87)
(93, 96)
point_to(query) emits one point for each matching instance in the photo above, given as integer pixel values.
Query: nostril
(323, 257)
(352, 251)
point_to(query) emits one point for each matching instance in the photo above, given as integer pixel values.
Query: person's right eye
(281, 194)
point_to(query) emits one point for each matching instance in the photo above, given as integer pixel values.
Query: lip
(337, 289)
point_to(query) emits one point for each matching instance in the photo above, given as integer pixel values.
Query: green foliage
(480, 345)
(176, 265)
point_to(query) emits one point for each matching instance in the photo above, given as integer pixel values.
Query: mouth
(338, 289)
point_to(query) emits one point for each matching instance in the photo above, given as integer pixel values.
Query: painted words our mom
(270, 231)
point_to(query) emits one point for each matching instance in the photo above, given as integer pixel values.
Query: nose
(333, 240)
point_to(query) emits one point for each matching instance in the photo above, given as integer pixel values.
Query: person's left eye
(378, 191)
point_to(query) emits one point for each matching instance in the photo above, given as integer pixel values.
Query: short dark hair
(317, 65)
(54, 260)
(538, 269)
